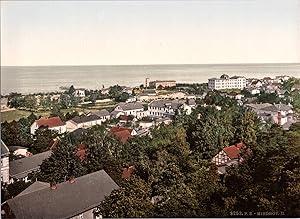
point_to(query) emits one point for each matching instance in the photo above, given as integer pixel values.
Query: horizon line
(74, 65)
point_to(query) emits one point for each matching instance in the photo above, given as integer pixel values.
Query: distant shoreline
(110, 65)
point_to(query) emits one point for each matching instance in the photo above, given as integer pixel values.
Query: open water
(31, 79)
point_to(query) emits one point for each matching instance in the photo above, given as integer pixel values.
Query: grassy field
(18, 114)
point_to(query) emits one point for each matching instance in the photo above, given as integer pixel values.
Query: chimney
(71, 179)
(53, 185)
(279, 118)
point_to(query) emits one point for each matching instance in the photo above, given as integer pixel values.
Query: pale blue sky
(149, 32)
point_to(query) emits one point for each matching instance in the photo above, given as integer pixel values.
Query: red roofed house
(81, 151)
(127, 172)
(228, 156)
(53, 123)
(122, 133)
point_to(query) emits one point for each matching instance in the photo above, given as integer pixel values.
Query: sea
(34, 79)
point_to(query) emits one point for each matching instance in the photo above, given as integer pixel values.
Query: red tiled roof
(81, 151)
(233, 151)
(127, 172)
(123, 136)
(50, 122)
(113, 130)
(124, 117)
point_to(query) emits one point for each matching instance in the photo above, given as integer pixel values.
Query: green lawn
(18, 114)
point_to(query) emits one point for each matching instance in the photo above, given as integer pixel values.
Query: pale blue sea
(51, 78)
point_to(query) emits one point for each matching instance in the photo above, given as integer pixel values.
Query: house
(161, 108)
(4, 163)
(4, 103)
(256, 84)
(104, 115)
(295, 87)
(142, 114)
(254, 91)
(275, 113)
(131, 99)
(227, 157)
(53, 123)
(129, 108)
(19, 151)
(116, 114)
(76, 198)
(19, 169)
(116, 129)
(167, 83)
(80, 92)
(127, 172)
(122, 134)
(83, 121)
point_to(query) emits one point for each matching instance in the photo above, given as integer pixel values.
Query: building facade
(156, 84)
(225, 82)
(4, 163)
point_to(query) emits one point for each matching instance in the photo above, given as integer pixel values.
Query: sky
(149, 32)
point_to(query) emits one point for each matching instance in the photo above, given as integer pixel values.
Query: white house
(142, 114)
(53, 123)
(79, 92)
(83, 121)
(129, 108)
(160, 108)
(225, 82)
(104, 115)
(4, 163)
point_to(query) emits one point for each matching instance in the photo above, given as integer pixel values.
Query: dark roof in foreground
(4, 149)
(67, 200)
(84, 118)
(21, 167)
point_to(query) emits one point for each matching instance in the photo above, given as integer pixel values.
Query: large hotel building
(225, 82)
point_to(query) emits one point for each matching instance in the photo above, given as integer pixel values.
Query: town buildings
(84, 121)
(20, 168)
(4, 163)
(129, 108)
(160, 108)
(76, 198)
(225, 82)
(53, 123)
(80, 92)
(156, 84)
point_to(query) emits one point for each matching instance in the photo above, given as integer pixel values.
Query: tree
(71, 91)
(43, 140)
(62, 164)
(122, 97)
(115, 91)
(131, 200)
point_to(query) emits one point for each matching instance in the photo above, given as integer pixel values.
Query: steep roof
(123, 136)
(101, 113)
(233, 151)
(67, 200)
(276, 108)
(116, 129)
(131, 106)
(84, 118)
(37, 185)
(50, 122)
(21, 167)
(174, 104)
(4, 149)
